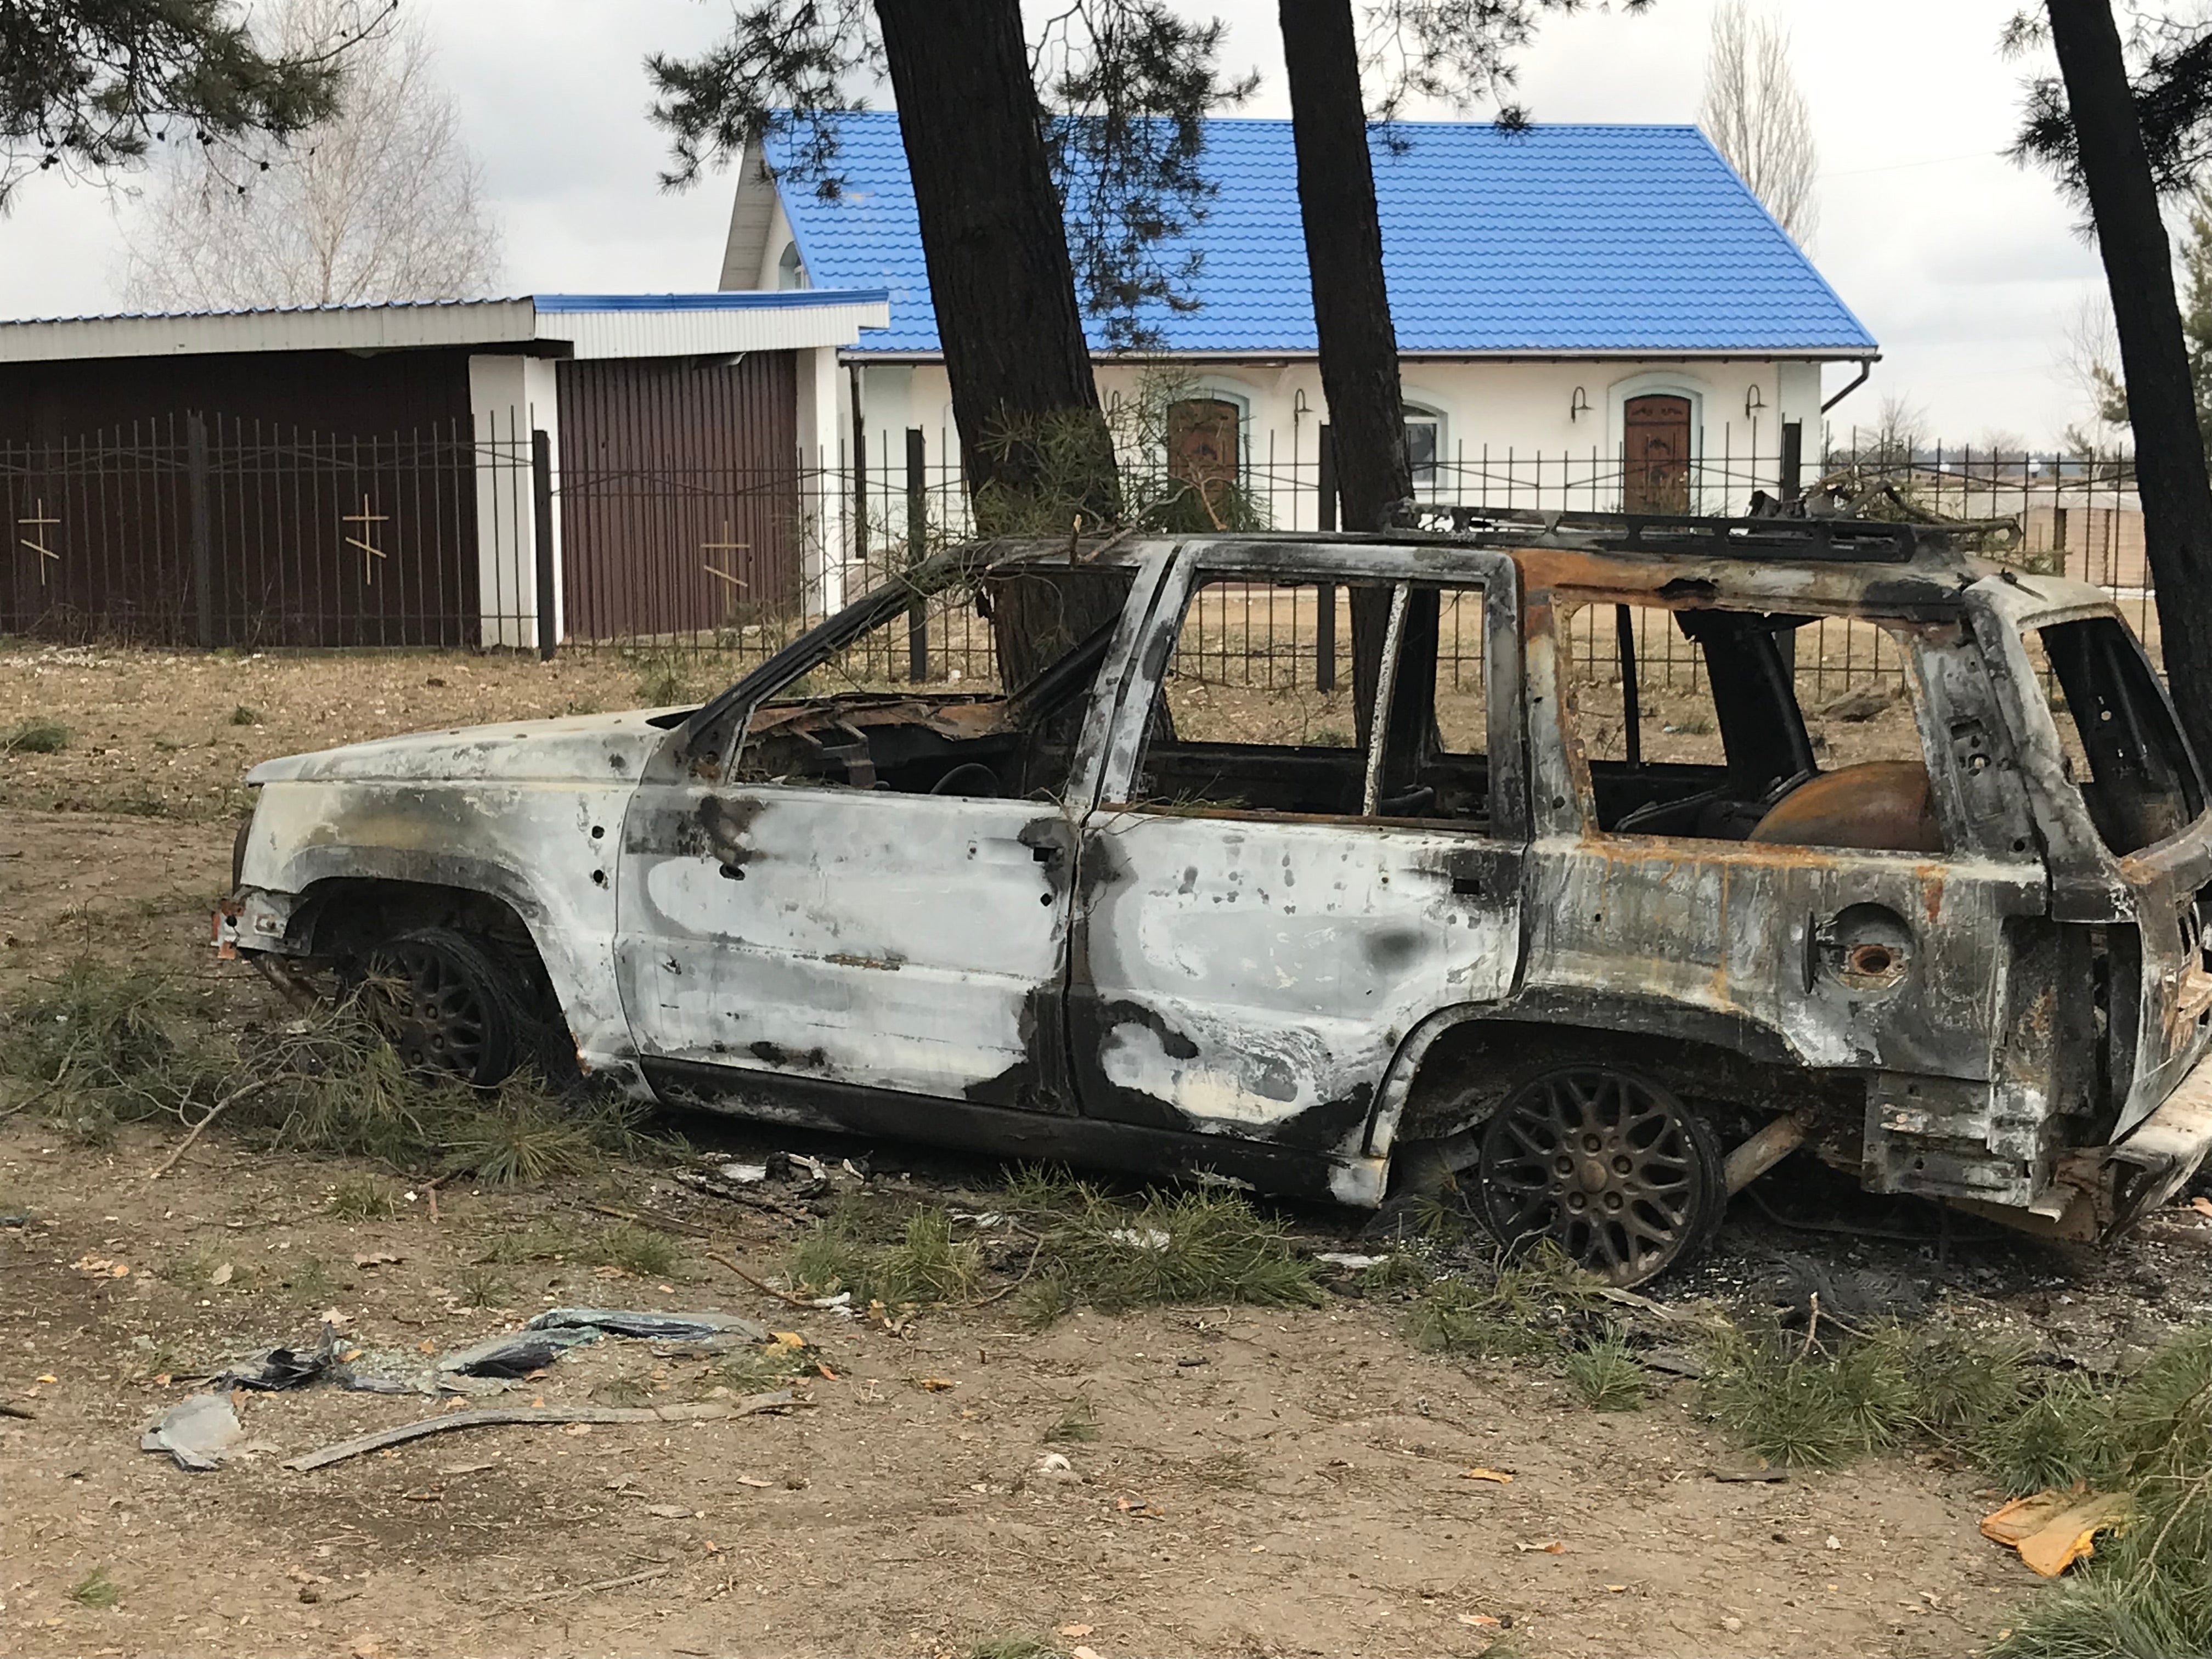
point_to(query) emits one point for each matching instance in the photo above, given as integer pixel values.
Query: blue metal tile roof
(1560, 239)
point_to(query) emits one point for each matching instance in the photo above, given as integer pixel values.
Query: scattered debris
(1478, 1473)
(518, 1353)
(2202, 1205)
(1760, 1472)
(199, 1431)
(675, 1327)
(1054, 1467)
(1550, 1547)
(2055, 1528)
(779, 1400)
(279, 1369)
(24, 1413)
(1142, 1238)
(1348, 1262)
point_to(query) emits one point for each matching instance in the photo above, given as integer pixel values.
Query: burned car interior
(986, 743)
(1767, 785)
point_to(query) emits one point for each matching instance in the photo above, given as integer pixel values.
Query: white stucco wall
(1524, 434)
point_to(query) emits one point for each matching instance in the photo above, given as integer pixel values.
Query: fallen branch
(592, 1588)
(8, 1409)
(705, 1412)
(213, 1113)
(667, 1223)
(765, 1289)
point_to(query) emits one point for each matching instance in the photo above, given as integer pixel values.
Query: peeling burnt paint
(762, 906)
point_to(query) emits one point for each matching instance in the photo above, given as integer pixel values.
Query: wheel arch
(338, 915)
(1723, 1053)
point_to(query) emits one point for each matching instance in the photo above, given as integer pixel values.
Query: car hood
(575, 749)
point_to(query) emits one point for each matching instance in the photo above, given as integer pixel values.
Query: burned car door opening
(1629, 857)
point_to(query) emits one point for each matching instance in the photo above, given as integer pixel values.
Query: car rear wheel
(447, 1004)
(1607, 1163)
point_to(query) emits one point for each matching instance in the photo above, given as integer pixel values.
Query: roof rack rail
(1853, 541)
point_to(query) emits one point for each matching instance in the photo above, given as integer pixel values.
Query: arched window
(790, 269)
(1425, 442)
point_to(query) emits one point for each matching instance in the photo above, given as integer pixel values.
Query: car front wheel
(447, 1004)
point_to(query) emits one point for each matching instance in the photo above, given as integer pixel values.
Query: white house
(1587, 316)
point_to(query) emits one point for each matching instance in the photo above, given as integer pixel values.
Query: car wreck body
(1495, 931)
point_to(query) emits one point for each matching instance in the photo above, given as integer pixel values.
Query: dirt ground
(1261, 1482)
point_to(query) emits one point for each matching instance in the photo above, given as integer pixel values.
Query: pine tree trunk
(1351, 300)
(1023, 392)
(2170, 465)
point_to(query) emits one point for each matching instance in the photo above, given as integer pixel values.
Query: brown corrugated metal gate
(344, 510)
(679, 494)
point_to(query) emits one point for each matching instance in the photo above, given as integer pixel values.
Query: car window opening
(1237, 730)
(1693, 726)
(861, 720)
(2117, 735)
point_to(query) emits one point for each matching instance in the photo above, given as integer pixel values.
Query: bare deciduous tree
(1755, 116)
(383, 201)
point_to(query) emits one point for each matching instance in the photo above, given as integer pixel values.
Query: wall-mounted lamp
(1753, 401)
(1579, 405)
(1299, 408)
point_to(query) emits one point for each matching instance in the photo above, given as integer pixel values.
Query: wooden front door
(1202, 450)
(1656, 431)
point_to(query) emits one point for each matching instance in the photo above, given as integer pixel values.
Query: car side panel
(546, 849)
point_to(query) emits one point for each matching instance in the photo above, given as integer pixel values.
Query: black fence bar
(541, 521)
(195, 473)
(1325, 607)
(917, 546)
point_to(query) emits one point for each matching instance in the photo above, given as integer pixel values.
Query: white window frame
(1421, 405)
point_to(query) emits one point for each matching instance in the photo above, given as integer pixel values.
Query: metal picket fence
(220, 532)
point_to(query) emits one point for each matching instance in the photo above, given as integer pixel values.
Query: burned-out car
(1598, 882)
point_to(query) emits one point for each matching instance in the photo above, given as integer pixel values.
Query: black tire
(1608, 1164)
(449, 1003)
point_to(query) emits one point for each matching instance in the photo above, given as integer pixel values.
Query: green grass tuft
(361, 1197)
(1012, 1647)
(635, 1250)
(480, 1287)
(96, 1589)
(1535, 1306)
(1168, 1247)
(2149, 1591)
(1077, 1424)
(1607, 1375)
(34, 736)
(919, 1265)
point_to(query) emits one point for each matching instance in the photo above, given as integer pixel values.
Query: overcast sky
(1965, 267)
